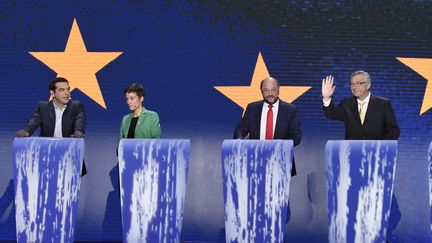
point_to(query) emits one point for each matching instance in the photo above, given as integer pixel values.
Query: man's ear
(52, 93)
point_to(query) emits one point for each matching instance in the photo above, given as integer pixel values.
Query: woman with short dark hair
(140, 123)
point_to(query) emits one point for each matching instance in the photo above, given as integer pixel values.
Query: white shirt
(58, 120)
(365, 101)
(264, 112)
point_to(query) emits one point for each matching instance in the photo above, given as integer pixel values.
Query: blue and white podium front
(256, 181)
(430, 184)
(153, 175)
(360, 178)
(47, 175)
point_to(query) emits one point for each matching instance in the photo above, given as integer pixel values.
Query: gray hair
(365, 75)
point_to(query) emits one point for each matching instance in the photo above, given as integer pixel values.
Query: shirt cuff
(326, 102)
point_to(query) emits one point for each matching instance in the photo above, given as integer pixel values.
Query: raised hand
(327, 88)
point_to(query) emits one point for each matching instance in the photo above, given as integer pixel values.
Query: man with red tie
(270, 118)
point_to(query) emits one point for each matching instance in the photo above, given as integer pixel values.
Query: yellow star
(422, 66)
(243, 95)
(77, 65)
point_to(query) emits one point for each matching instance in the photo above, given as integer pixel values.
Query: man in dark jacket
(366, 117)
(270, 118)
(60, 117)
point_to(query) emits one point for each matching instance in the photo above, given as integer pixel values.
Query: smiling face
(359, 86)
(270, 90)
(134, 101)
(61, 94)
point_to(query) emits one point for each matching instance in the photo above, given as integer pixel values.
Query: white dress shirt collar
(264, 112)
(366, 100)
(58, 120)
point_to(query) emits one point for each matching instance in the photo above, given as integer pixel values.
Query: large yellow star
(422, 66)
(77, 65)
(243, 95)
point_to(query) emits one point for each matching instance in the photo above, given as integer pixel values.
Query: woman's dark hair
(137, 88)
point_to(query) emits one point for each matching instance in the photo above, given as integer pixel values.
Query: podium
(360, 177)
(256, 180)
(153, 174)
(430, 183)
(47, 175)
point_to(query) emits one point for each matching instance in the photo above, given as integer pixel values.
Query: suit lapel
(140, 123)
(66, 112)
(52, 117)
(279, 118)
(355, 110)
(127, 125)
(370, 109)
(258, 124)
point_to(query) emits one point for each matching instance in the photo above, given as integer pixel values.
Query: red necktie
(269, 123)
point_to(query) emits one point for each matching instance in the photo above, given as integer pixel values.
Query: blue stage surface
(182, 52)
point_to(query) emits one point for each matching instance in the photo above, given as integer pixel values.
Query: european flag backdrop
(182, 52)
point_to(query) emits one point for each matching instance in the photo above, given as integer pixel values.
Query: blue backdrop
(180, 50)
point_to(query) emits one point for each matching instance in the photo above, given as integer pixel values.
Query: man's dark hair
(277, 82)
(137, 88)
(52, 84)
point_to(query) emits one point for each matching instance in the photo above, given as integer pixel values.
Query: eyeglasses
(357, 84)
(267, 91)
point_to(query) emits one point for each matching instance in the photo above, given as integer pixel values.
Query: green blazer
(148, 125)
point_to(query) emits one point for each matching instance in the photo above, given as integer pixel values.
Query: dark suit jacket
(287, 124)
(380, 121)
(73, 119)
(44, 117)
